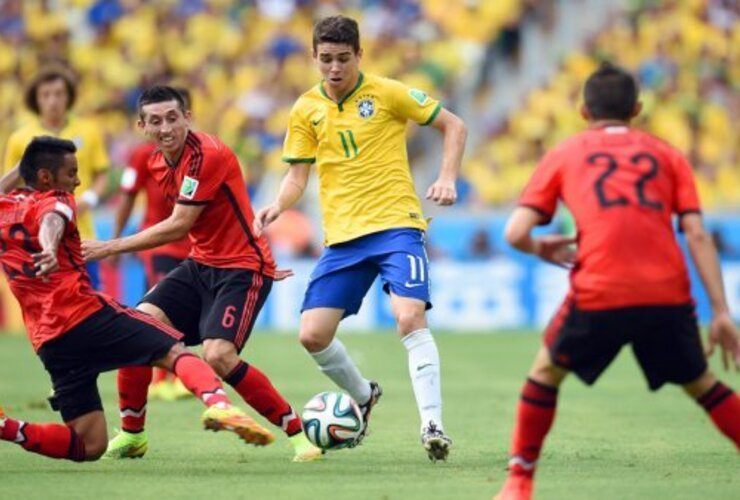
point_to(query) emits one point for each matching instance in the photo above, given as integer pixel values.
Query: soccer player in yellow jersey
(50, 96)
(353, 127)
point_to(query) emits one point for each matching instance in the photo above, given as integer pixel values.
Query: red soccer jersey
(137, 177)
(53, 306)
(208, 173)
(622, 186)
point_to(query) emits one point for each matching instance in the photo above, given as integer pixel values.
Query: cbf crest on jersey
(366, 106)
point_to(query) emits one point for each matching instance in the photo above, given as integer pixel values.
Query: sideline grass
(614, 441)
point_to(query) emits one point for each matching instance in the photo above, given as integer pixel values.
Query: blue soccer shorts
(346, 271)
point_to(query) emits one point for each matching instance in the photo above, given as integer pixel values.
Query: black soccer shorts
(110, 338)
(206, 302)
(665, 340)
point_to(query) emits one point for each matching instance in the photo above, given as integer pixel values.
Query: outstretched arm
(455, 132)
(50, 234)
(10, 180)
(173, 228)
(553, 248)
(291, 189)
(722, 330)
(124, 213)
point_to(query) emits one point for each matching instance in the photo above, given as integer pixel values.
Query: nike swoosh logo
(413, 285)
(420, 368)
(316, 122)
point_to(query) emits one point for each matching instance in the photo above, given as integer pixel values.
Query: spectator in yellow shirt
(50, 96)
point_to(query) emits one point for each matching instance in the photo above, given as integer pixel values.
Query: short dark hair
(160, 93)
(337, 29)
(610, 93)
(44, 152)
(46, 75)
(186, 97)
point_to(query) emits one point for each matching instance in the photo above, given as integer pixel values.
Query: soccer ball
(332, 420)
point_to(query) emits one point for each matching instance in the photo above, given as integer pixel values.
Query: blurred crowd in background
(246, 61)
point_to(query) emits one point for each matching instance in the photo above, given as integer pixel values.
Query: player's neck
(596, 124)
(173, 157)
(53, 124)
(337, 95)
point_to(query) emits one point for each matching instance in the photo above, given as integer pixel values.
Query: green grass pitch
(613, 441)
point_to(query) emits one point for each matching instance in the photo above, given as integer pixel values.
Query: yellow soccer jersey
(92, 156)
(359, 147)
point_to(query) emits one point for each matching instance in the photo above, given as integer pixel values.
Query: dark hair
(160, 93)
(610, 93)
(186, 97)
(337, 29)
(46, 75)
(44, 152)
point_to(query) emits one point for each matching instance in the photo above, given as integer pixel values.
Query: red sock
(133, 385)
(51, 440)
(200, 379)
(535, 414)
(723, 407)
(160, 374)
(259, 393)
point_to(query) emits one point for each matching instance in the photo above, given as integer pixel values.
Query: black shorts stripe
(244, 225)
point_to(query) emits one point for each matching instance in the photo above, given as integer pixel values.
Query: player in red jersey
(77, 332)
(214, 295)
(157, 261)
(629, 283)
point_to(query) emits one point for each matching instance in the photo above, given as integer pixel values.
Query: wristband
(91, 198)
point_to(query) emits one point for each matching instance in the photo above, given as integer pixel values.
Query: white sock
(338, 366)
(424, 372)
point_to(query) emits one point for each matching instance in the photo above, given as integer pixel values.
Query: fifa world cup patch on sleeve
(189, 187)
(418, 96)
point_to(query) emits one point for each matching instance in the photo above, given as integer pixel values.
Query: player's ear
(585, 113)
(188, 115)
(44, 177)
(140, 123)
(637, 109)
(359, 53)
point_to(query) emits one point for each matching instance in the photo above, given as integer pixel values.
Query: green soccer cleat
(305, 451)
(127, 445)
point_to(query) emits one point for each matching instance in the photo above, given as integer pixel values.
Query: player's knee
(221, 356)
(701, 385)
(168, 361)
(94, 448)
(410, 319)
(313, 341)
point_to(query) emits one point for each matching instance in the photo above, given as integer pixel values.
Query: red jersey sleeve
(205, 174)
(543, 189)
(59, 202)
(686, 197)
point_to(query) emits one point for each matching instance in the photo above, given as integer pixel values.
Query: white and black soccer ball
(332, 420)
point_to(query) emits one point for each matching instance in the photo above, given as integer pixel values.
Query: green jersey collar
(340, 104)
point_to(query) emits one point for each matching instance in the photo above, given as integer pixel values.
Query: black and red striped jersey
(53, 305)
(208, 173)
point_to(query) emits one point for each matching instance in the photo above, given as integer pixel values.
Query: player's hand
(264, 218)
(442, 192)
(723, 331)
(556, 249)
(45, 263)
(281, 274)
(95, 250)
